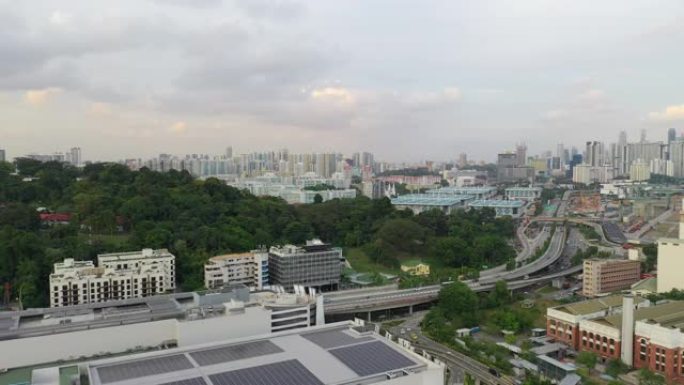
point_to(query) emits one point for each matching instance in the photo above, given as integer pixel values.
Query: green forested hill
(115, 209)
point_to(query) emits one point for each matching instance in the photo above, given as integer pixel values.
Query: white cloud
(100, 109)
(592, 95)
(60, 18)
(333, 94)
(670, 113)
(40, 97)
(555, 114)
(179, 128)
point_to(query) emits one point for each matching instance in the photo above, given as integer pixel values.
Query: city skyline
(192, 77)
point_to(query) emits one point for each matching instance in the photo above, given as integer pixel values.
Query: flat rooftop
(462, 190)
(497, 203)
(430, 199)
(181, 306)
(594, 305)
(524, 189)
(331, 354)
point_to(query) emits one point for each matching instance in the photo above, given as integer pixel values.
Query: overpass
(390, 297)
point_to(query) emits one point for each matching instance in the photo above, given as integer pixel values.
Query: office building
(80, 282)
(594, 154)
(141, 324)
(373, 189)
(603, 276)
(2, 155)
(419, 203)
(671, 260)
(339, 354)
(315, 264)
(562, 322)
(73, 156)
(677, 157)
(527, 193)
(521, 154)
(511, 208)
(249, 269)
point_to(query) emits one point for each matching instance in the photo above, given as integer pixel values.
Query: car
(494, 372)
(414, 336)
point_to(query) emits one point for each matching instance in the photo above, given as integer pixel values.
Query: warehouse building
(511, 208)
(526, 193)
(419, 203)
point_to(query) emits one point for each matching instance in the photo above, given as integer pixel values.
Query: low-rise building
(603, 335)
(419, 203)
(511, 208)
(416, 268)
(315, 264)
(477, 192)
(671, 261)
(659, 344)
(139, 324)
(249, 269)
(527, 193)
(134, 260)
(562, 322)
(339, 354)
(603, 276)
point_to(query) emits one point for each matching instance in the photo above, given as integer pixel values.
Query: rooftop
(232, 256)
(496, 203)
(462, 190)
(430, 199)
(594, 305)
(646, 313)
(524, 189)
(330, 354)
(648, 284)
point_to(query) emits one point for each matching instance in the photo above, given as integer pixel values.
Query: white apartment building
(146, 257)
(249, 269)
(117, 277)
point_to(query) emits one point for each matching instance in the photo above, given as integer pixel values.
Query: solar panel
(142, 368)
(333, 339)
(290, 372)
(371, 358)
(189, 381)
(235, 352)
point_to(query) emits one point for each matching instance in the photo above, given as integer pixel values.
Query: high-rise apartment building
(521, 154)
(2, 155)
(676, 151)
(249, 269)
(74, 156)
(594, 154)
(80, 282)
(671, 260)
(315, 264)
(603, 276)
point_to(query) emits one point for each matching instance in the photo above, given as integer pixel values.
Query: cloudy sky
(408, 80)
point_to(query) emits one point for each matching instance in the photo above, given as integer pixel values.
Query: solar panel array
(371, 358)
(235, 352)
(189, 381)
(142, 368)
(290, 372)
(333, 339)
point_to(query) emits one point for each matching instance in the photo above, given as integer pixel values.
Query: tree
(318, 199)
(616, 367)
(647, 377)
(587, 359)
(499, 296)
(459, 303)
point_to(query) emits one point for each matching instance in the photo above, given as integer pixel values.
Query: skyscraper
(594, 154)
(74, 156)
(229, 152)
(521, 154)
(671, 135)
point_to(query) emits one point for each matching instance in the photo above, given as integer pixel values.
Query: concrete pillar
(410, 309)
(320, 311)
(369, 316)
(627, 330)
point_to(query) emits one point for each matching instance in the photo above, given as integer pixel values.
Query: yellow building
(417, 268)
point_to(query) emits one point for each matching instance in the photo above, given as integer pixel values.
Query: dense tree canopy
(114, 209)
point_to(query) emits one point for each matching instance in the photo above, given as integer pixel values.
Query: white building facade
(249, 269)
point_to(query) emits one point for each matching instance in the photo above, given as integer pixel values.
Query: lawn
(361, 263)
